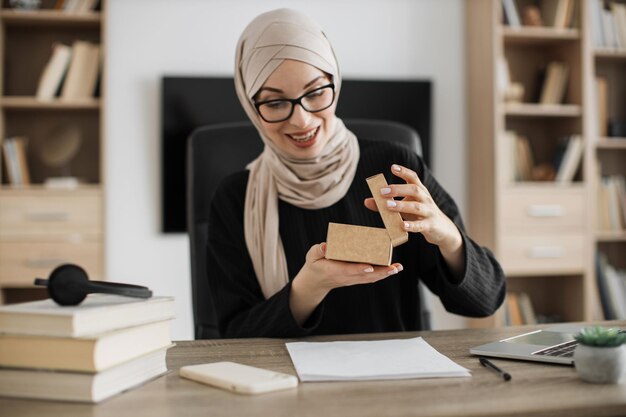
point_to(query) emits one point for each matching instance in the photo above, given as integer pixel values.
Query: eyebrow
(278, 90)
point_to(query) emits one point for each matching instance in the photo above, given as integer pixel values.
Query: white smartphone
(239, 378)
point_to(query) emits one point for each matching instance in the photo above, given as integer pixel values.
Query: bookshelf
(542, 231)
(607, 149)
(42, 226)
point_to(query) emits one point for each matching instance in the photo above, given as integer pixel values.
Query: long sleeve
(481, 290)
(241, 308)
(392, 304)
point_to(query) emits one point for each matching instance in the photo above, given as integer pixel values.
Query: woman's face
(304, 134)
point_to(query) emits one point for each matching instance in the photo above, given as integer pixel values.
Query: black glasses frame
(295, 101)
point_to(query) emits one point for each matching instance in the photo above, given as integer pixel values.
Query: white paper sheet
(369, 360)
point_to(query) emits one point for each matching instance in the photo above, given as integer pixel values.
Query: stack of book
(84, 353)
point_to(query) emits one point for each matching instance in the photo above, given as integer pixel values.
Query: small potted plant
(600, 356)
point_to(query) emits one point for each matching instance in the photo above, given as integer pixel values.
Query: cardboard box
(370, 245)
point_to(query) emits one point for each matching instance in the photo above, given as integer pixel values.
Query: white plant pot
(600, 365)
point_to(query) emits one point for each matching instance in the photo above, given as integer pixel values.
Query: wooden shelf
(534, 35)
(609, 236)
(611, 143)
(31, 103)
(540, 230)
(49, 18)
(69, 223)
(617, 54)
(542, 110)
(542, 186)
(41, 189)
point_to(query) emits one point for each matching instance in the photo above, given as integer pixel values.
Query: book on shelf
(595, 11)
(525, 160)
(511, 13)
(612, 203)
(54, 72)
(619, 184)
(76, 6)
(519, 309)
(15, 160)
(526, 308)
(82, 74)
(571, 159)
(97, 314)
(602, 105)
(512, 303)
(82, 386)
(609, 30)
(84, 354)
(619, 15)
(557, 13)
(616, 284)
(608, 310)
(604, 222)
(554, 83)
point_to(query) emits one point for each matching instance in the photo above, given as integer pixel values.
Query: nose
(300, 117)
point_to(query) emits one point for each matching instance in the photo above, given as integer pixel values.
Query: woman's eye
(275, 105)
(314, 94)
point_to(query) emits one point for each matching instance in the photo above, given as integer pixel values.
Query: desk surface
(535, 390)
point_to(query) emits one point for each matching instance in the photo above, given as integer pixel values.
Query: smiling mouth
(301, 139)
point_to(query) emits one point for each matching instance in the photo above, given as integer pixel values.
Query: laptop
(554, 344)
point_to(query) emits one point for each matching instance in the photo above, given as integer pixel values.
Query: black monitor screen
(190, 102)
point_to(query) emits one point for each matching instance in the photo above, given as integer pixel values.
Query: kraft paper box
(370, 245)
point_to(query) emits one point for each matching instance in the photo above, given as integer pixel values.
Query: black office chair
(216, 151)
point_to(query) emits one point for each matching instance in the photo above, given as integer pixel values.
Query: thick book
(80, 386)
(84, 354)
(555, 83)
(54, 73)
(82, 74)
(99, 313)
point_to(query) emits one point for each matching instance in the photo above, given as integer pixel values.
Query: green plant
(600, 337)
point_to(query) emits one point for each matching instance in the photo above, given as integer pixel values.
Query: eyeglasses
(274, 111)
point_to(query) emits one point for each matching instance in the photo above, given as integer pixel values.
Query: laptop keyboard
(564, 350)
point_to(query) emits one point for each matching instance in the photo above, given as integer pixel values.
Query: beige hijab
(311, 184)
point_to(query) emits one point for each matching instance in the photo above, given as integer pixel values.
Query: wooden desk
(535, 390)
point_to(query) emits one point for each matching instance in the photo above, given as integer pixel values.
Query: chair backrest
(216, 151)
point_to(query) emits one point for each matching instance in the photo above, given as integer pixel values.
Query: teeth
(305, 137)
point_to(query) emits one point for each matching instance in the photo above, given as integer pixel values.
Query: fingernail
(396, 168)
(407, 225)
(391, 203)
(385, 190)
(400, 268)
(368, 269)
(393, 271)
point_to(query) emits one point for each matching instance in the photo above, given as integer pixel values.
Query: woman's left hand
(422, 215)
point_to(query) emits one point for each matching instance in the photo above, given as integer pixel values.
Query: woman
(268, 224)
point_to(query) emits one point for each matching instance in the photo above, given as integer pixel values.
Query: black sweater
(392, 304)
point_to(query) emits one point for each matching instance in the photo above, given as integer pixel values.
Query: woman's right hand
(320, 275)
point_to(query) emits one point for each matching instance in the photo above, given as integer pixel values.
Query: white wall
(151, 38)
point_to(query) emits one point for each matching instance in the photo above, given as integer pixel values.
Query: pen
(488, 364)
